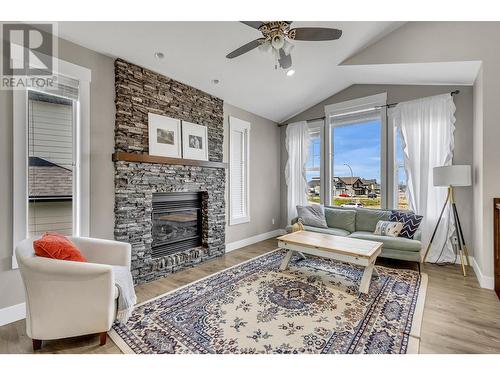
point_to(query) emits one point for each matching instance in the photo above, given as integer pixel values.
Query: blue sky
(357, 145)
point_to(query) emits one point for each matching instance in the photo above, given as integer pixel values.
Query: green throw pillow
(313, 215)
(341, 218)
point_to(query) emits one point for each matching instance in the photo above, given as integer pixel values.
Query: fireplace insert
(176, 222)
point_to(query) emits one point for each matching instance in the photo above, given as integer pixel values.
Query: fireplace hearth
(177, 222)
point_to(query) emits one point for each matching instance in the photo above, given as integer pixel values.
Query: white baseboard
(254, 239)
(12, 313)
(485, 282)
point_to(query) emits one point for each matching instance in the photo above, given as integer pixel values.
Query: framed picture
(164, 136)
(194, 141)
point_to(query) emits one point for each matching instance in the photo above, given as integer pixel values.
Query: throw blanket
(126, 295)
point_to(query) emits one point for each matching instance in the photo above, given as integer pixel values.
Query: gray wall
(417, 42)
(264, 175)
(400, 93)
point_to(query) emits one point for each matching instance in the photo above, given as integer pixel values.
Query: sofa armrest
(65, 298)
(104, 251)
(418, 235)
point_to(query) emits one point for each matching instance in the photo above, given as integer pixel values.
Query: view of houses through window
(356, 164)
(50, 164)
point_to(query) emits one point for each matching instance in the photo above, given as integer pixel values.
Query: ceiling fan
(277, 35)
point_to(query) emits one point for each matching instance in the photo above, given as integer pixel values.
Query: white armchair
(66, 299)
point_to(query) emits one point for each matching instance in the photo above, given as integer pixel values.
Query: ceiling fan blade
(245, 48)
(254, 24)
(314, 33)
(285, 60)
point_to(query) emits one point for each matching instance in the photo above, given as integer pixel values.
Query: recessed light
(290, 72)
(215, 81)
(159, 55)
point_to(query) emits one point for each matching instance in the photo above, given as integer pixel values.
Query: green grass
(366, 202)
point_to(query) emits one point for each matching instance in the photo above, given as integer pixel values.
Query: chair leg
(418, 264)
(102, 338)
(37, 344)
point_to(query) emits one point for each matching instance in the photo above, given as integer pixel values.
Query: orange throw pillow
(56, 246)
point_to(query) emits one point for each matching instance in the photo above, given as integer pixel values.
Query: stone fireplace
(173, 214)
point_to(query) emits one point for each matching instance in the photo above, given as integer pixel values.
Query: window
(51, 179)
(356, 160)
(50, 163)
(356, 157)
(313, 164)
(239, 170)
(400, 200)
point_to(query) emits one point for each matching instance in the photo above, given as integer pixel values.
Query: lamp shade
(452, 175)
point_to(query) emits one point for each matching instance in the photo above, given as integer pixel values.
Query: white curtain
(297, 146)
(427, 127)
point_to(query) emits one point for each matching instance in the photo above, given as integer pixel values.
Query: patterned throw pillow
(388, 228)
(313, 215)
(410, 221)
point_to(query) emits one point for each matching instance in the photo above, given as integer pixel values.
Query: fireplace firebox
(177, 222)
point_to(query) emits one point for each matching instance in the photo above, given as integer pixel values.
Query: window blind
(50, 167)
(64, 87)
(355, 117)
(238, 171)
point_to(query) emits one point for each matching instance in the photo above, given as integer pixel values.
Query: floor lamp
(452, 176)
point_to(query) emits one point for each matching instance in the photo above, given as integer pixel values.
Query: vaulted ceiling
(194, 53)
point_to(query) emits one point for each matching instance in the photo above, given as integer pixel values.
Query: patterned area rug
(313, 307)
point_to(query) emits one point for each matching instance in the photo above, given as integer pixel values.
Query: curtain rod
(453, 93)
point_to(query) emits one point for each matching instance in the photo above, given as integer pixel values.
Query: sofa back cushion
(341, 218)
(367, 218)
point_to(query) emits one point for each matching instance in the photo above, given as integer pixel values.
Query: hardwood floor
(459, 316)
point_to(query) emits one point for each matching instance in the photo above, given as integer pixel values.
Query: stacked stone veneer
(140, 91)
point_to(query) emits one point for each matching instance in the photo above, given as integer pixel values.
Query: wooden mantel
(145, 158)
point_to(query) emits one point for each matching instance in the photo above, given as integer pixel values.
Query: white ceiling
(195, 54)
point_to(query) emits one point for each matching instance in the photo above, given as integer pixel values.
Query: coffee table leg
(286, 260)
(364, 286)
(302, 256)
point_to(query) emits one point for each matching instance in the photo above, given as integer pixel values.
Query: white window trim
(81, 186)
(319, 125)
(352, 106)
(244, 126)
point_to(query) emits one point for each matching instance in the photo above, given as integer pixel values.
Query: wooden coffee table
(345, 249)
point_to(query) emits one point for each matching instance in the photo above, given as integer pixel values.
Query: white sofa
(67, 299)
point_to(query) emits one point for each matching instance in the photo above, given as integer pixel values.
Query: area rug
(313, 307)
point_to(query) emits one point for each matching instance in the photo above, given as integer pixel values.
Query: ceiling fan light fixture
(278, 41)
(279, 36)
